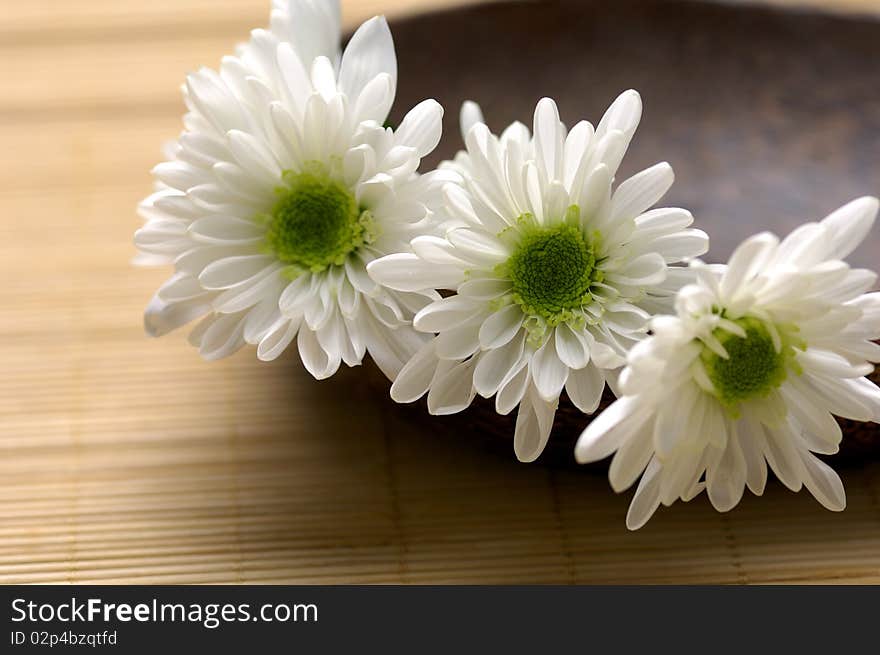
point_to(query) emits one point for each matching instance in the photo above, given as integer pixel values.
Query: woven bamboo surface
(126, 460)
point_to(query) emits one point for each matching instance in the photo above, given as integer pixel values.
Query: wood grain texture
(129, 460)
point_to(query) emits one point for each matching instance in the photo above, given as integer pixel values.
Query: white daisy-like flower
(282, 187)
(554, 276)
(761, 354)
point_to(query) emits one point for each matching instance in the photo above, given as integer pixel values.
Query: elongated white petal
(609, 430)
(445, 314)
(548, 372)
(548, 144)
(162, 317)
(646, 500)
(534, 421)
(747, 259)
(497, 365)
(470, 115)
(369, 53)
(726, 476)
(584, 388)
(848, 226)
(228, 272)
(500, 327)
(415, 377)
(277, 340)
(421, 127)
(406, 272)
(572, 348)
(453, 391)
(823, 483)
(641, 191)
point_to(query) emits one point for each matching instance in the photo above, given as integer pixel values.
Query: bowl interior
(770, 118)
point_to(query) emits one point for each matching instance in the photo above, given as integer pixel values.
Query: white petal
(332, 336)
(534, 421)
(496, 366)
(478, 245)
(446, 313)
(458, 343)
(276, 341)
(682, 245)
(675, 421)
(548, 372)
(314, 358)
(575, 152)
(454, 391)
(230, 271)
(261, 319)
(663, 220)
(162, 317)
(437, 250)
(357, 275)
(245, 296)
(369, 53)
(823, 362)
(646, 500)
(513, 390)
(252, 155)
(647, 270)
(297, 294)
(680, 473)
(548, 142)
(623, 115)
(593, 193)
(375, 101)
(484, 288)
(748, 259)
(810, 417)
(312, 26)
(726, 476)
(223, 336)
(421, 127)
(389, 348)
(848, 226)
(857, 399)
(631, 459)
(459, 205)
(603, 356)
(294, 75)
(584, 388)
(500, 327)
(415, 377)
(783, 458)
(823, 483)
(180, 287)
(610, 429)
(641, 191)
(180, 175)
(406, 272)
(225, 230)
(751, 442)
(470, 115)
(573, 349)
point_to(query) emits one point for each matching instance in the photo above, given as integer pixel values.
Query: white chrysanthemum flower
(760, 355)
(554, 275)
(282, 187)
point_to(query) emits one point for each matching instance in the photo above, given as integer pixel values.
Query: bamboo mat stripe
(129, 460)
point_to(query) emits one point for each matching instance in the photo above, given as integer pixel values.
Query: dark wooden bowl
(769, 117)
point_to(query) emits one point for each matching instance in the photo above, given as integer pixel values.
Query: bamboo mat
(126, 460)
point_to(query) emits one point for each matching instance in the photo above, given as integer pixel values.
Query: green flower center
(314, 223)
(753, 369)
(551, 271)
